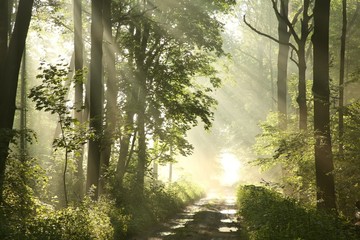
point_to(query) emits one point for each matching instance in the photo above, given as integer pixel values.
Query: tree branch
(292, 58)
(297, 14)
(286, 20)
(268, 36)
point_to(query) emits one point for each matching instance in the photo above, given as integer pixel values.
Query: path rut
(208, 219)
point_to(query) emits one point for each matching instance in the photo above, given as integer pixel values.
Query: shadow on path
(208, 219)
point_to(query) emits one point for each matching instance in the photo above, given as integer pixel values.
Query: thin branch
(292, 58)
(268, 36)
(297, 14)
(286, 20)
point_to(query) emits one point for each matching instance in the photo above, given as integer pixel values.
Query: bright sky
(231, 167)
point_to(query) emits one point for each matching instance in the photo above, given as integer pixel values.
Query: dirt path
(208, 219)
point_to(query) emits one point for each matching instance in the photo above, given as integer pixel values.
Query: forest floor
(208, 219)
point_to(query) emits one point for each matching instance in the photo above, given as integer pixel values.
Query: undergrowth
(159, 203)
(268, 215)
(23, 215)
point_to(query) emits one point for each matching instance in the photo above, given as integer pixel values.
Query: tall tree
(111, 89)
(142, 35)
(301, 52)
(300, 49)
(286, 28)
(10, 66)
(79, 89)
(23, 108)
(342, 76)
(96, 96)
(4, 31)
(323, 153)
(161, 86)
(283, 58)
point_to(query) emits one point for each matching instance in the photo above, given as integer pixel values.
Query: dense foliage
(155, 67)
(268, 215)
(156, 85)
(24, 216)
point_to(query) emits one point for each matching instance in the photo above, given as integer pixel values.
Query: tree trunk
(128, 127)
(96, 96)
(341, 78)
(142, 159)
(323, 153)
(305, 31)
(124, 147)
(23, 110)
(283, 55)
(9, 77)
(301, 100)
(4, 31)
(111, 91)
(79, 91)
(140, 53)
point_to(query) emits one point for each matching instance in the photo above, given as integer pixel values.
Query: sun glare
(231, 167)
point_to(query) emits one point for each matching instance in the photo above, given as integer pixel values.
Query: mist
(223, 156)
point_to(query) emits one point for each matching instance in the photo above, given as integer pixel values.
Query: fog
(222, 156)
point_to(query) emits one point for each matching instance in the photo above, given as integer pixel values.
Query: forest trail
(208, 219)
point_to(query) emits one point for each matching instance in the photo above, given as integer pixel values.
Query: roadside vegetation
(103, 219)
(267, 214)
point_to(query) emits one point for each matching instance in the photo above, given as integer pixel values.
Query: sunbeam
(230, 166)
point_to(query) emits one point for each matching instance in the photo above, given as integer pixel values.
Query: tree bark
(23, 109)
(141, 125)
(111, 91)
(323, 153)
(140, 54)
(79, 91)
(9, 78)
(142, 159)
(96, 96)
(124, 147)
(341, 77)
(301, 100)
(283, 55)
(4, 31)
(128, 127)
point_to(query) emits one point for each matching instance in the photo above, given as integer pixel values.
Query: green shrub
(90, 220)
(268, 215)
(159, 203)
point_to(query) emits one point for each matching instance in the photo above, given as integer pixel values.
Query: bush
(159, 203)
(90, 220)
(268, 215)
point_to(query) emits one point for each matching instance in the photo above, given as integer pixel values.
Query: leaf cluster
(293, 151)
(268, 215)
(169, 48)
(51, 96)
